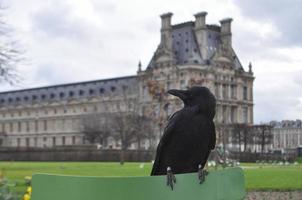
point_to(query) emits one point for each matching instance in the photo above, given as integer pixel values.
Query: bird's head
(196, 96)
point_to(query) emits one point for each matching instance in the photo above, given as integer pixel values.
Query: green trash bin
(227, 184)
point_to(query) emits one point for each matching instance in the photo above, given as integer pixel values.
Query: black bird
(188, 137)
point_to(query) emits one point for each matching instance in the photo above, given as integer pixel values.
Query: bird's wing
(167, 134)
(212, 135)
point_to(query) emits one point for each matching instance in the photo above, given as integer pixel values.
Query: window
(224, 114)
(182, 84)
(18, 142)
(27, 126)
(43, 96)
(102, 90)
(52, 96)
(27, 142)
(233, 91)
(10, 127)
(81, 92)
(233, 114)
(19, 126)
(36, 126)
(217, 90)
(62, 94)
(35, 142)
(168, 85)
(54, 141)
(63, 140)
(73, 139)
(3, 128)
(45, 125)
(245, 114)
(224, 91)
(71, 94)
(34, 97)
(113, 89)
(244, 93)
(91, 91)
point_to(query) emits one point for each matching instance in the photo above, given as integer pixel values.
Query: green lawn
(258, 177)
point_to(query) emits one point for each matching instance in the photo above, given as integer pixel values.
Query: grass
(257, 177)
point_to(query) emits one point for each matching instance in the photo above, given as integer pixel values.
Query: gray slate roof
(185, 46)
(69, 91)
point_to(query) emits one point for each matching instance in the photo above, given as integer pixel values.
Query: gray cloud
(285, 15)
(57, 21)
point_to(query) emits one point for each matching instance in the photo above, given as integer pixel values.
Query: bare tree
(10, 53)
(263, 135)
(95, 128)
(124, 120)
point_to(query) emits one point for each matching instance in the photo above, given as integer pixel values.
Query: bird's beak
(182, 94)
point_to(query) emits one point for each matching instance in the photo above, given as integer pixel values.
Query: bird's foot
(202, 174)
(171, 180)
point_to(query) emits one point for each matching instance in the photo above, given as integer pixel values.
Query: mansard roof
(69, 91)
(185, 47)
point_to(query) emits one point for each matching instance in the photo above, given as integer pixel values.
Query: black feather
(189, 135)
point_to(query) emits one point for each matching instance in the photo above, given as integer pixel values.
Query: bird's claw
(202, 174)
(171, 180)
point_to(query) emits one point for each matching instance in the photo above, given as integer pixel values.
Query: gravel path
(292, 195)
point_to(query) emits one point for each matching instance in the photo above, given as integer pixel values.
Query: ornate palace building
(190, 53)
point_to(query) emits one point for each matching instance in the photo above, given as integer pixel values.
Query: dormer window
(62, 94)
(91, 91)
(81, 92)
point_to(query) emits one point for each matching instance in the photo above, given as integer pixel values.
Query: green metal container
(227, 184)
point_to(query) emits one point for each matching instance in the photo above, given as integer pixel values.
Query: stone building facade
(190, 53)
(287, 134)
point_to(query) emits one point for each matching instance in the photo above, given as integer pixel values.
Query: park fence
(70, 153)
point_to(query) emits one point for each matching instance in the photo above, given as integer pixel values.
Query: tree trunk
(122, 156)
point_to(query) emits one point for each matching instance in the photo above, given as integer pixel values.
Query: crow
(189, 136)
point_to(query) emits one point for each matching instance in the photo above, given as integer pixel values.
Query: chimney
(166, 31)
(200, 20)
(201, 33)
(226, 33)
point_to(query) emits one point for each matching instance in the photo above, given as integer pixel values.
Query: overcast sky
(78, 40)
